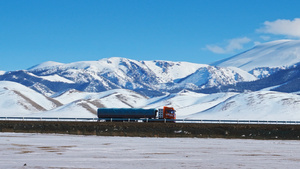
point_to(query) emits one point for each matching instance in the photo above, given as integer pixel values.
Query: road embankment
(200, 130)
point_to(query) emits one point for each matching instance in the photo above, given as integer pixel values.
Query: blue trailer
(126, 113)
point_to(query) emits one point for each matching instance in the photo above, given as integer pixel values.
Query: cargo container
(136, 113)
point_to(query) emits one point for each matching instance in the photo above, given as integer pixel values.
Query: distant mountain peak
(280, 53)
(47, 64)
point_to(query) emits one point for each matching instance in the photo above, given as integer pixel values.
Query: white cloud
(233, 44)
(256, 43)
(265, 38)
(282, 27)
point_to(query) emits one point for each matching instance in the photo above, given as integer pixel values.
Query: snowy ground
(72, 151)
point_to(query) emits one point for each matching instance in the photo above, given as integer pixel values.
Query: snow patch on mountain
(56, 78)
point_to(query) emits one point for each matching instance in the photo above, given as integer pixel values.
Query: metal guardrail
(48, 119)
(240, 121)
(151, 120)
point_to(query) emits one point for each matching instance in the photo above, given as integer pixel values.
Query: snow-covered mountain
(150, 78)
(19, 100)
(261, 105)
(16, 99)
(286, 80)
(85, 104)
(125, 69)
(215, 76)
(265, 58)
(261, 83)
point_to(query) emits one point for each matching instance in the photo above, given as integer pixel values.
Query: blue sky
(199, 31)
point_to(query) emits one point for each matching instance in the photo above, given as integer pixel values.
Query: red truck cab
(169, 113)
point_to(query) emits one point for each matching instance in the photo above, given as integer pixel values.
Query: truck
(136, 113)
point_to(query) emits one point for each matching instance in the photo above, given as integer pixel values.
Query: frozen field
(73, 151)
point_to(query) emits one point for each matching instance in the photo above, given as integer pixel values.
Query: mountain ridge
(152, 78)
(77, 89)
(274, 54)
